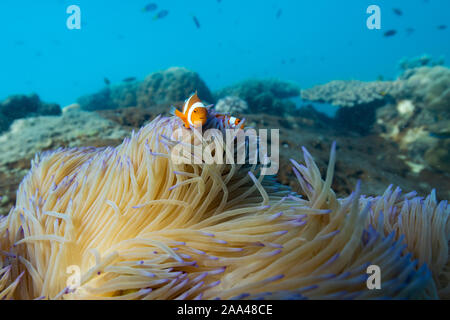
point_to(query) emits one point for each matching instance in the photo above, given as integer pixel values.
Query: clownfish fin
(209, 106)
(175, 112)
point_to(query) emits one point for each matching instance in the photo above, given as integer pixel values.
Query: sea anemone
(130, 223)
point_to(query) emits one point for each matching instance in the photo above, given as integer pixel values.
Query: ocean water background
(311, 42)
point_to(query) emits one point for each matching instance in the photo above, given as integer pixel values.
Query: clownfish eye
(195, 110)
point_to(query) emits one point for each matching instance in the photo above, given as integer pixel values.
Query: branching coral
(139, 226)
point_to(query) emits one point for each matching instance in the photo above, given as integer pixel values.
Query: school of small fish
(162, 13)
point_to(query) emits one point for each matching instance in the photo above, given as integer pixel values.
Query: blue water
(312, 41)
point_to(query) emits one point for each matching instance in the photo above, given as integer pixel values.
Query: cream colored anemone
(129, 223)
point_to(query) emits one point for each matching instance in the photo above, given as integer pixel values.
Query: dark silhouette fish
(161, 14)
(197, 23)
(279, 12)
(150, 7)
(442, 27)
(398, 11)
(410, 31)
(390, 33)
(130, 79)
(107, 82)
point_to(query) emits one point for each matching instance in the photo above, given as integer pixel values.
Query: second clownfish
(233, 122)
(194, 114)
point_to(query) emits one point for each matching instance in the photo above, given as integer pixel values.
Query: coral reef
(429, 87)
(232, 105)
(411, 111)
(21, 106)
(263, 95)
(171, 86)
(438, 156)
(117, 96)
(349, 93)
(137, 225)
(421, 61)
(420, 123)
(163, 87)
(357, 100)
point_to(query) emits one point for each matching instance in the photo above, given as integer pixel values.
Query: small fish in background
(197, 23)
(440, 135)
(442, 27)
(160, 15)
(194, 112)
(227, 120)
(106, 81)
(398, 11)
(150, 7)
(380, 78)
(129, 79)
(390, 33)
(410, 31)
(279, 12)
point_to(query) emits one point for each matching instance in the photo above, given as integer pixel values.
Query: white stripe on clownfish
(191, 110)
(186, 103)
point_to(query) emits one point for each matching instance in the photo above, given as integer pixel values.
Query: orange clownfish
(233, 122)
(194, 114)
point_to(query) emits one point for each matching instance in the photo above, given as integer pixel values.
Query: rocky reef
(357, 101)
(232, 105)
(21, 106)
(425, 60)
(32, 135)
(418, 119)
(169, 86)
(412, 111)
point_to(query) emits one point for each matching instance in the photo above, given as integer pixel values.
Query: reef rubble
(21, 106)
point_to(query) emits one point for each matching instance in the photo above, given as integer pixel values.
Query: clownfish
(233, 122)
(194, 114)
